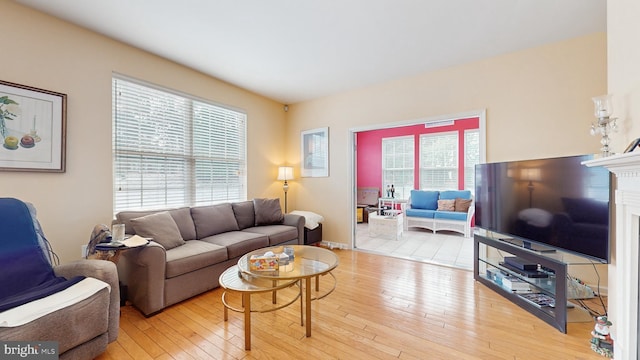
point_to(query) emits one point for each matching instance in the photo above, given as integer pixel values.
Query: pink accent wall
(369, 150)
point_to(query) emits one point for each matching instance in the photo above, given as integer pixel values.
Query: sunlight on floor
(444, 248)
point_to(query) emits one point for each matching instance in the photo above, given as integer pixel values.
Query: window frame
(190, 160)
(404, 190)
(455, 170)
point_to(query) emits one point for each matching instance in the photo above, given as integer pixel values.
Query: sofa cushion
(446, 205)
(277, 234)
(454, 194)
(245, 215)
(193, 255)
(161, 227)
(268, 211)
(450, 215)
(421, 213)
(213, 219)
(424, 199)
(182, 217)
(238, 243)
(462, 205)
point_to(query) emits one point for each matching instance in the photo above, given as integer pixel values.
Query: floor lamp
(285, 173)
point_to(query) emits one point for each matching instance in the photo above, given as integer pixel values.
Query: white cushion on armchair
(33, 310)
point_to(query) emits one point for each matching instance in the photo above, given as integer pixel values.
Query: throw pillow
(462, 205)
(268, 211)
(161, 227)
(446, 205)
(214, 219)
(244, 213)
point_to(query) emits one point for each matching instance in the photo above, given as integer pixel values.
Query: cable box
(527, 273)
(520, 263)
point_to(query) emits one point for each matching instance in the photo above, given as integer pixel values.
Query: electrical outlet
(83, 251)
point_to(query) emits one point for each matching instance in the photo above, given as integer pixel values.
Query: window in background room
(172, 150)
(471, 158)
(439, 161)
(397, 165)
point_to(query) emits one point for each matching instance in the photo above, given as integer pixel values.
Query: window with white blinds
(398, 165)
(439, 161)
(171, 150)
(471, 158)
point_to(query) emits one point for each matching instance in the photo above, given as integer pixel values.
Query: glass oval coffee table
(309, 262)
(234, 280)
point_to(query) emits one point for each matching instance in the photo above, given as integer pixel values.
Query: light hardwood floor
(383, 308)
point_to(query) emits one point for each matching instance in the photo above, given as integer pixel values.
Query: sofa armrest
(298, 221)
(101, 270)
(405, 205)
(143, 271)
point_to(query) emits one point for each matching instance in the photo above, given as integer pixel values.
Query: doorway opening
(392, 159)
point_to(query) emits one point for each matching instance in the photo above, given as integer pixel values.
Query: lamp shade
(533, 174)
(285, 173)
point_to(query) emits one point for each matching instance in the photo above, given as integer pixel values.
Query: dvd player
(527, 273)
(520, 263)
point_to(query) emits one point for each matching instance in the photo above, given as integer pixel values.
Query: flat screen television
(555, 202)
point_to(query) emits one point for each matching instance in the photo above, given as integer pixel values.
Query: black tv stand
(489, 265)
(528, 245)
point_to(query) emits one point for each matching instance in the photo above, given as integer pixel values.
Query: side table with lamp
(103, 245)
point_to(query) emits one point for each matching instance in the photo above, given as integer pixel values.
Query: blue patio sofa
(422, 210)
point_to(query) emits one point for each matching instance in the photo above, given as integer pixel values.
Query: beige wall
(623, 32)
(46, 53)
(537, 101)
(623, 57)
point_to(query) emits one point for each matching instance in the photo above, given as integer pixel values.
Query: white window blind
(471, 158)
(171, 150)
(398, 165)
(439, 161)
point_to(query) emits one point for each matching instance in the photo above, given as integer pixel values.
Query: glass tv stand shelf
(541, 289)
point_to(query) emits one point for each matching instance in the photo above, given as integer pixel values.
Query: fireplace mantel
(622, 164)
(623, 272)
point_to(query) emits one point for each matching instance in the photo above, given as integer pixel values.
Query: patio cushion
(424, 199)
(450, 215)
(421, 213)
(455, 194)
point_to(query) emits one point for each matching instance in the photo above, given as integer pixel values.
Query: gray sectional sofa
(191, 247)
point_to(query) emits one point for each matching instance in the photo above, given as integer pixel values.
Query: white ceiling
(296, 50)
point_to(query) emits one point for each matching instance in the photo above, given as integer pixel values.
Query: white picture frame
(314, 152)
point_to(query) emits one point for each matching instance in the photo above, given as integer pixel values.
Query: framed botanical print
(32, 128)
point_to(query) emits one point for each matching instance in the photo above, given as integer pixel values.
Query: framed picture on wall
(315, 152)
(32, 128)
